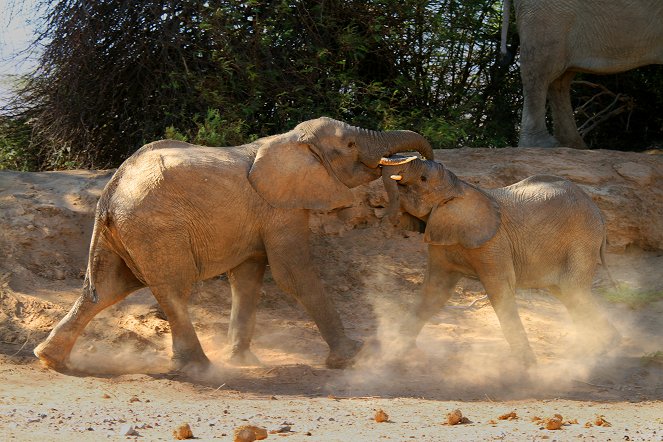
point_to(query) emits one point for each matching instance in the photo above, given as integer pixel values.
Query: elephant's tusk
(396, 177)
(396, 160)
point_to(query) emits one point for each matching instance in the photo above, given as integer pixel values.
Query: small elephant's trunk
(391, 186)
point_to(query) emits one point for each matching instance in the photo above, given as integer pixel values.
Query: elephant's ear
(470, 219)
(289, 174)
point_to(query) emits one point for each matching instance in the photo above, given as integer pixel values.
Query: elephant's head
(454, 211)
(314, 165)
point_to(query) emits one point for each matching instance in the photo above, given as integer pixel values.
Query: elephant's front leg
(500, 288)
(245, 282)
(439, 284)
(291, 265)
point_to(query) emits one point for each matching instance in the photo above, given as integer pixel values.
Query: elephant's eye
(423, 178)
(351, 145)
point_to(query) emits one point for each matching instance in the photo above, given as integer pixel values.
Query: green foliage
(117, 74)
(212, 131)
(632, 297)
(14, 145)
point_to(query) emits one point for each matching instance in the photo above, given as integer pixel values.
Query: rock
(508, 416)
(638, 173)
(455, 417)
(381, 416)
(249, 433)
(183, 432)
(553, 423)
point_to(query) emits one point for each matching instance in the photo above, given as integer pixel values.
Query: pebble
(183, 432)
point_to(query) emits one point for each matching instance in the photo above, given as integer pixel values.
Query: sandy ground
(373, 274)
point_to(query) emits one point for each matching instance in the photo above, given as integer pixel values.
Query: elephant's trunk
(391, 186)
(376, 145)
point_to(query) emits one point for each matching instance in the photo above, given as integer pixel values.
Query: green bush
(15, 151)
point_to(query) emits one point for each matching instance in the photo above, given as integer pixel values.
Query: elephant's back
(542, 190)
(550, 202)
(165, 170)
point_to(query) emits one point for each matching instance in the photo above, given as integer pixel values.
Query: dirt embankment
(372, 271)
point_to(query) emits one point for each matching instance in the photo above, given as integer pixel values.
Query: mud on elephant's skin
(175, 213)
(560, 39)
(541, 232)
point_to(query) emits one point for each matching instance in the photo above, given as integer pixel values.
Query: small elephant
(560, 39)
(541, 232)
(175, 213)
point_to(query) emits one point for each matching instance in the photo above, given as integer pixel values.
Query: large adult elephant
(175, 213)
(559, 39)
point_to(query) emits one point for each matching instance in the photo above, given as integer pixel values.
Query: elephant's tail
(506, 9)
(605, 265)
(88, 285)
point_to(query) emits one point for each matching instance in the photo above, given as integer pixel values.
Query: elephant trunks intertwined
(175, 213)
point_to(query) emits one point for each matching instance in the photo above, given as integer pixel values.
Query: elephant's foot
(573, 143)
(51, 358)
(598, 343)
(343, 356)
(244, 358)
(525, 357)
(538, 140)
(189, 364)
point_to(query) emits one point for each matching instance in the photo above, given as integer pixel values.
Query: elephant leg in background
(291, 265)
(501, 292)
(595, 333)
(533, 130)
(245, 282)
(564, 124)
(174, 300)
(112, 285)
(438, 287)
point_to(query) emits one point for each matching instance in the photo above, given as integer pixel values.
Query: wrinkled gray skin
(175, 213)
(541, 232)
(560, 38)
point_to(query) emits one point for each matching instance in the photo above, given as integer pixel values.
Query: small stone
(455, 417)
(249, 433)
(381, 416)
(183, 432)
(134, 399)
(553, 423)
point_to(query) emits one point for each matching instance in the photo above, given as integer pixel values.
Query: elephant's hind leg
(245, 283)
(596, 335)
(113, 282)
(187, 351)
(565, 129)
